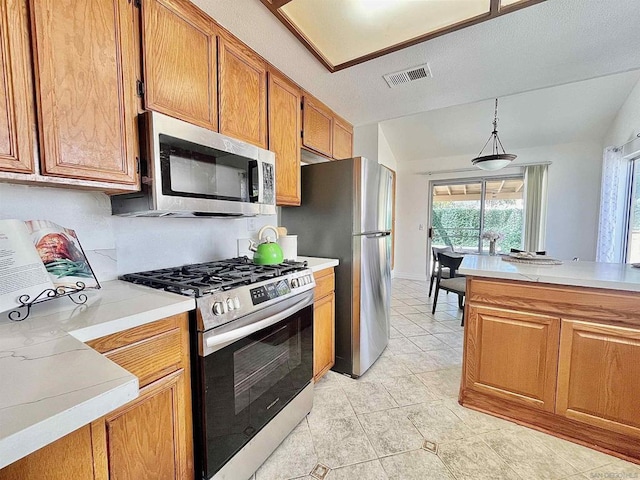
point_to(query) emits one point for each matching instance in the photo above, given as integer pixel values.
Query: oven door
(248, 372)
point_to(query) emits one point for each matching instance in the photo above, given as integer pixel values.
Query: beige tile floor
(401, 419)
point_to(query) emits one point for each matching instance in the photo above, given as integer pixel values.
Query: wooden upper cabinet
(342, 139)
(180, 64)
(599, 376)
(317, 126)
(85, 88)
(512, 355)
(284, 137)
(17, 112)
(242, 91)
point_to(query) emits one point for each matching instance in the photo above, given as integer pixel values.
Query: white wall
(385, 155)
(573, 196)
(369, 141)
(627, 122)
(365, 141)
(117, 245)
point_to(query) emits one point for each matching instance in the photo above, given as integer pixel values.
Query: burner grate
(204, 278)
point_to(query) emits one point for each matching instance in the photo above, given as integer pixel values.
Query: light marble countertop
(316, 264)
(52, 383)
(613, 276)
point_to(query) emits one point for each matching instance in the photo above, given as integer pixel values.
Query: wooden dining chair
(454, 284)
(436, 265)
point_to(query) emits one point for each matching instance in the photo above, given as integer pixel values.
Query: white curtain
(535, 207)
(613, 197)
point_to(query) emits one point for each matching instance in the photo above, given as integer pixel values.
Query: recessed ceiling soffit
(344, 33)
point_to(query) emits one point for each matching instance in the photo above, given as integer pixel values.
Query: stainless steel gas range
(252, 355)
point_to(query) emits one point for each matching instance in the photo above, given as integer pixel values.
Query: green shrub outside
(456, 224)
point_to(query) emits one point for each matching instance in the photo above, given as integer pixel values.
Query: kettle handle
(267, 227)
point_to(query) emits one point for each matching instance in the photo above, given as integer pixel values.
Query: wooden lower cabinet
(147, 437)
(150, 437)
(324, 331)
(599, 376)
(80, 455)
(560, 359)
(513, 355)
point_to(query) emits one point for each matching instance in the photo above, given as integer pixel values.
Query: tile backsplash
(118, 245)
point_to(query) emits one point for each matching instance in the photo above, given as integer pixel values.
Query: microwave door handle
(260, 182)
(214, 342)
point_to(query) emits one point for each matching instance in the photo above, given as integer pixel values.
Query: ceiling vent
(408, 75)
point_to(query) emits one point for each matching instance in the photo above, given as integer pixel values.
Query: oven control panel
(269, 291)
(222, 307)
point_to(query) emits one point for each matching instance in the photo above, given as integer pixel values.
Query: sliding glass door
(633, 245)
(461, 211)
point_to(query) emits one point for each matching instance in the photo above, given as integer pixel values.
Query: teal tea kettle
(267, 252)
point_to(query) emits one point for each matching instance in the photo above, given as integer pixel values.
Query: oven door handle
(216, 342)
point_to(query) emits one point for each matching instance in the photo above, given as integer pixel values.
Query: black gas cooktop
(201, 279)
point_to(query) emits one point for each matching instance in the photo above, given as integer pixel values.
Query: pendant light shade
(495, 160)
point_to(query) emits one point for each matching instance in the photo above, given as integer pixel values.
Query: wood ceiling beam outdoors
(448, 190)
(494, 11)
(501, 186)
(519, 187)
(464, 188)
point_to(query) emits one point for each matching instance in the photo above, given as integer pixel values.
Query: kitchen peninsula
(555, 348)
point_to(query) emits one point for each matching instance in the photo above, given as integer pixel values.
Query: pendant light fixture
(495, 160)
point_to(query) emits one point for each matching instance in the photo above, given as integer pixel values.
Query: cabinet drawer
(151, 358)
(592, 304)
(325, 282)
(135, 334)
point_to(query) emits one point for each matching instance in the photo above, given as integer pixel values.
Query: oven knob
(294, 283)
(230, 304)
(236, 302)
(217, 308)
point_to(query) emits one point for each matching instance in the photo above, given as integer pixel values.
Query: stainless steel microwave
(189, 171)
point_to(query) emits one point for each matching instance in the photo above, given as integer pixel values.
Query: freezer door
(372, 328)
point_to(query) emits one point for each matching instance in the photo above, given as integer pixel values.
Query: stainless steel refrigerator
(346, 214)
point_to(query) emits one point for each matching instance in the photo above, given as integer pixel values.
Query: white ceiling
(554, 42)
(575, 112)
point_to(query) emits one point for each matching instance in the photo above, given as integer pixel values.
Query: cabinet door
(17, 113)
(180, 62)
(342, 139)
(512, 355)
(323, 335)
(284, 137)
(243, 92)
(79, 455)
(85, 87)
(317, 126)
(147, 438)
(599, 376)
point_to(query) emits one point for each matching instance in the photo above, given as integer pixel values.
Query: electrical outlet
(251, 225)
(243, 247)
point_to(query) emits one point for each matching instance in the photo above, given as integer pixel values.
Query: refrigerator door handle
(377, 235)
